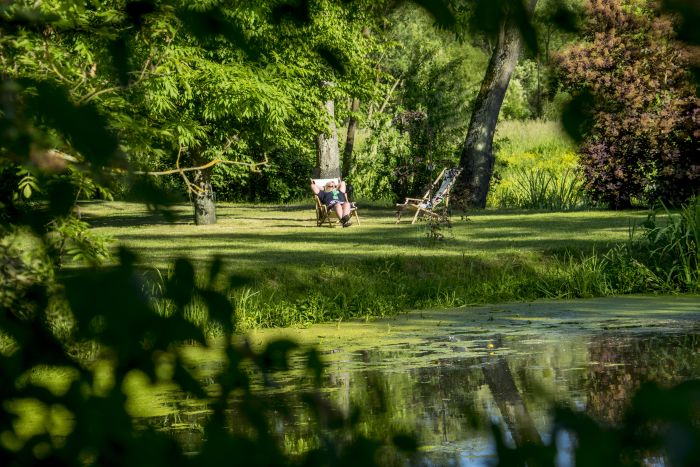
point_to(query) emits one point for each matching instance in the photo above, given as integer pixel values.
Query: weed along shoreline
(541, 319)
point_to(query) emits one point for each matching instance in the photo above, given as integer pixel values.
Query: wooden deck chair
(435, 201)
(325, 215)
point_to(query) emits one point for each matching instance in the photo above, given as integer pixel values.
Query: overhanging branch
(253, 166)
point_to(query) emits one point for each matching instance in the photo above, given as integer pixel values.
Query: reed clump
(660, 256)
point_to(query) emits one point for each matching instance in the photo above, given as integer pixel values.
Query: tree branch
(252, 165)
(388, 94)
(142, 75)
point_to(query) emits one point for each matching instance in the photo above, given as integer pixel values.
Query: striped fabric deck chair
(435, 201)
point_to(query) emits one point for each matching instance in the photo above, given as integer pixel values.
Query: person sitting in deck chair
(334, 196)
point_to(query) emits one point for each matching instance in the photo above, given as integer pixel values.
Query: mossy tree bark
(203, 198)
(477, 154)
(327, 152)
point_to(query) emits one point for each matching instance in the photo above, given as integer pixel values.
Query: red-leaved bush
(642, 142)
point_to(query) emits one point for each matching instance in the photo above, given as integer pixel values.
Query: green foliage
(421, 111)
(663, 258)
(386, 286)
(541, 189)
(110, 309)
(191, 83)
(69, 237)
(436, 227)
(373, 176)
(22, 271)
(284, 180)
(535, 168)
(27, 185)
(668, 252)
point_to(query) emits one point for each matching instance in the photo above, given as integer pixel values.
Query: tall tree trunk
(350, 138)
(327, 152)
(203, 199)
(477, 154)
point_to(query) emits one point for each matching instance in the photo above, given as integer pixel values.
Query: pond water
(444, 375)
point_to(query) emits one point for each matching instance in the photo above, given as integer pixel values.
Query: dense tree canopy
(191, 85)
(226, 88)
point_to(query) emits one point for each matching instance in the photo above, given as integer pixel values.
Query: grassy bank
(299, 274)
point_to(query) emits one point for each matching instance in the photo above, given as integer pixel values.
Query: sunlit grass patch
(258, 237)
(532, 136)
(536, 167)
(297, 273)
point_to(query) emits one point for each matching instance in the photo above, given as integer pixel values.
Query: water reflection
(455, 385)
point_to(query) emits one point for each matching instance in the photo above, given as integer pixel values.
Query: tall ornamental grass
(668, 249)
(555, 190)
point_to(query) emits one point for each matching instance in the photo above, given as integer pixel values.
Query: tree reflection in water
(449, 402)
(509, 401)
(664, 360)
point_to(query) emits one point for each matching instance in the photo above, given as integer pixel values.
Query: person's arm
(314, 188)
(344, 190)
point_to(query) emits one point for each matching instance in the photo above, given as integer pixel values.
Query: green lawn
(300, 273)
(256, 236)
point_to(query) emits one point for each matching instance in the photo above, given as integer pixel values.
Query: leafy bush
(70, 238)
(285, 178)
(22, 270)
(393, 164)
(642, 138)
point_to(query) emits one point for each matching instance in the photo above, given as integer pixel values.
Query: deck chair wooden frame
(435, 202)
(329, 216)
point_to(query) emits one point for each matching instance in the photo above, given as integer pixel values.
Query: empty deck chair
(435, 201)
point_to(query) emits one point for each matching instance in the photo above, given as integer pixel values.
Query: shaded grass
(300, 274)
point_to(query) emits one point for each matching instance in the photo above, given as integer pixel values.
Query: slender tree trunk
(203, 200)
(539, 110)
(350, 138)
(327, 152)
(477, 154)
